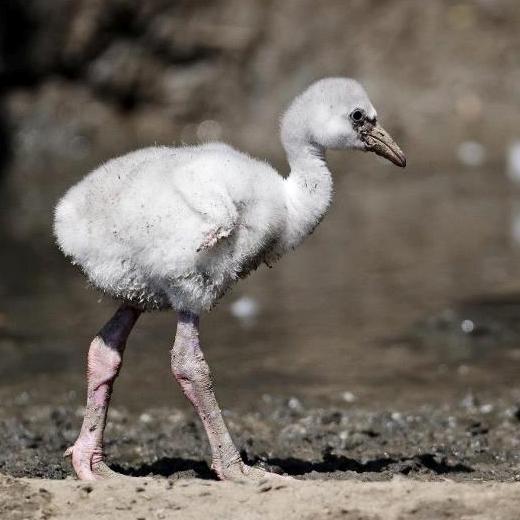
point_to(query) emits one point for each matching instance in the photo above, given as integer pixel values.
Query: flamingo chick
(175, 228)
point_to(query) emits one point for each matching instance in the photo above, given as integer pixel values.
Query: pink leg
(104, 363)
(192, 372)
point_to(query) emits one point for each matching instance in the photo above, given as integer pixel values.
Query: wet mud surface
(469, 441)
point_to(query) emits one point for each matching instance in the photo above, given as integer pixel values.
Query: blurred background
(409, 291)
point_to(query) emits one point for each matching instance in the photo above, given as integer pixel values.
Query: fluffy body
(172, 227)
(176, 227)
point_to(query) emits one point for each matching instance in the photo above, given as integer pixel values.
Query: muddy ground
(469, 451)
(469, 441)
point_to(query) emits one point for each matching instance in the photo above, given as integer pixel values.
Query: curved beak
(379, 141)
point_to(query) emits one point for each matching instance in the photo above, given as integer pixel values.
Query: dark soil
(467, 441)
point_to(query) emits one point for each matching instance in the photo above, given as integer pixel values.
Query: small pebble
(295, 404)
(348, 397)
(467, 326)
(145, 418)
(396, 416)
(486, 408)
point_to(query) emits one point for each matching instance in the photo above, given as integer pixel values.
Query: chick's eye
(357, 115)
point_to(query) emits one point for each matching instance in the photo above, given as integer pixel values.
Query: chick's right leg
(104, 362)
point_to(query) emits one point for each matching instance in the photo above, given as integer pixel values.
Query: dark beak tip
(378, 140)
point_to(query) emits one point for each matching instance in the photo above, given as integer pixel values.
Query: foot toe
(244, 472)
(85, 467)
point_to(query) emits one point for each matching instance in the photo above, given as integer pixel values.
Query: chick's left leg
(104, 362)
(192, 372)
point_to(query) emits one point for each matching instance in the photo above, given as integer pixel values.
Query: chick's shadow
(424, 463)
